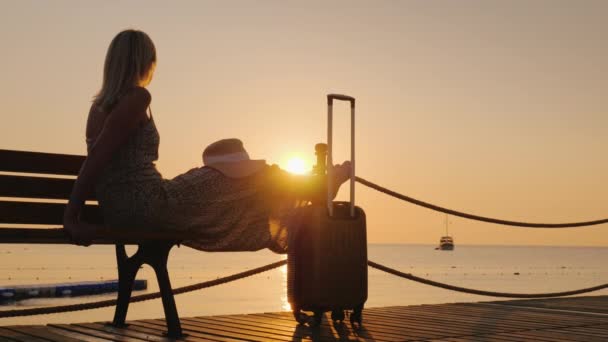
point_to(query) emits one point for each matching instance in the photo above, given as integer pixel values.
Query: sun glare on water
(296, 165)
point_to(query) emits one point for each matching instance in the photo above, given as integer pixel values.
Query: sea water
(519, 269)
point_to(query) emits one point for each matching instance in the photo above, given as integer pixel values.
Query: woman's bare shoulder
(130, 111)
(132, 106)
(138, 96)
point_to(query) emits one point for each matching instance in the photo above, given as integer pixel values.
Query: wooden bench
(25, 175)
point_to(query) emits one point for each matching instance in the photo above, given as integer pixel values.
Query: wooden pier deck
(567, 319)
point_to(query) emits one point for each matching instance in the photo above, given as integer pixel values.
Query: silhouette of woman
(232, 203)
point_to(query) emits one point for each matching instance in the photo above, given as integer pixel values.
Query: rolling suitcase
(327, 254)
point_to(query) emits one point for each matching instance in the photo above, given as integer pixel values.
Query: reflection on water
(284, 300)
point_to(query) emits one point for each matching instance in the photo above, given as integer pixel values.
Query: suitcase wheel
(337, 315)
(316, 321)
(357, 316)
(300, 317)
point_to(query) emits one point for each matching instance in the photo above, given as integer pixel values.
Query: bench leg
(155, 255)
(159, 264)
(127, 270)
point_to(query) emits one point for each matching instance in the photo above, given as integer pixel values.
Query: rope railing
(482, 292)
(476, 217)
(241, 275)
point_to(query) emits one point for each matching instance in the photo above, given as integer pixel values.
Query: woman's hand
(81, 233)
(341, 173)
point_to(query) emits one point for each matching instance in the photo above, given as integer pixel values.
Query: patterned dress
(221, 213)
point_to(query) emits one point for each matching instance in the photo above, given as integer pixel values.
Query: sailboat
(446, 243)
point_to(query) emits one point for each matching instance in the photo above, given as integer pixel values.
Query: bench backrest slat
(42, 207)
(36, 187)
(36, 162)
(42, 213)
(25, 235)
(58, 236)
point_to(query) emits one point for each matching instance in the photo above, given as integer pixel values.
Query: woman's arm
(122, 121)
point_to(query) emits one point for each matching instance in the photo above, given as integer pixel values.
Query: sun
(296, 165)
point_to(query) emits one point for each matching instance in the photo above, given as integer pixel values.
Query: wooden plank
(194, 336)
(555, 319)
(76, 335)
(418, 322)
(160, 331)
(552, 336)
(153, 335)
(230, 332)
(538, 310)
(455, 319)
(40, 162)
(521, 336)
(487, 326)
(591, 330)
(514, 314)
(127, 331)
(247, 320)
(485, 338)
(95, 333)
(495, 338)
(205, 333)
(296, 332)
(468, 311)
(586, 330)
(11, 335)
(53, 334)
(42, 213)
(37, 187)
(554, 323)
(241, 326)
(591, 304)
(280, 324)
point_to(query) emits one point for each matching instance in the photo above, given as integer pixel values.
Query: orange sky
(496, 108)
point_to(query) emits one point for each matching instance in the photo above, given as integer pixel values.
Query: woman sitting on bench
(231, 204)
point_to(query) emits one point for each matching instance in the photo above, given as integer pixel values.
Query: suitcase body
(327, 262)
(327, 254)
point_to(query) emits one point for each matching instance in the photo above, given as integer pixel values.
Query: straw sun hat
(230, 158)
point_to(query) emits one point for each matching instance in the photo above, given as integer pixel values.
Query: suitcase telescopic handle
(330, 163)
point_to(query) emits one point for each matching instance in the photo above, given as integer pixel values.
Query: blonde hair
(128, 60)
